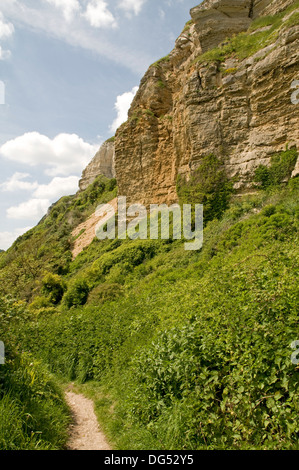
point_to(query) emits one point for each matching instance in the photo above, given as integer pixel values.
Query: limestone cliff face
(101, 164)
(270, 7)
(238, 109)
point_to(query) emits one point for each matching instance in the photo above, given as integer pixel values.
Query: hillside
(178, 349)
(189, 350)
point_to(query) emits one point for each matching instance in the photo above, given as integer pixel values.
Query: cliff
(101, 164)
(225, 89)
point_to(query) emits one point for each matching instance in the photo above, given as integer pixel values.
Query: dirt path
(84, 432)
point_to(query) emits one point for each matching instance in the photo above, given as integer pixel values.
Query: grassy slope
(32, 408)
(191, 349)
(47, 247)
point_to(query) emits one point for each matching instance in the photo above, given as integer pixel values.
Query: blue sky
(70, 69)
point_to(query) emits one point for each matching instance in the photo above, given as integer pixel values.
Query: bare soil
(86, 232)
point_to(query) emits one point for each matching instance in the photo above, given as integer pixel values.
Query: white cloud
(4, 54)
(42, 196)
(57, 188)
(131, 6)
(68, 7)
(98, 15)
(64, 155)
(17, 183)
(122, 106)
(100, 40)
(34, 209)
(7, 238)
(6, 29)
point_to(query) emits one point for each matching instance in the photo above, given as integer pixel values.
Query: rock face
(270, 7)
(101, 164)
(185, 108)
(215, 20)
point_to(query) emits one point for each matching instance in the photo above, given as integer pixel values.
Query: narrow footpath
(84, 431)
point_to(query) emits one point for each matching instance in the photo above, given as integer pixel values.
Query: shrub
(209, 186)
(53, 287)
(127, 256)
(104, 292)
(40, 302)
(268, 210)
(77, 293)
(280, 169)
(262, 176)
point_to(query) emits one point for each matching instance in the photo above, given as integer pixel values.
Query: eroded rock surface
(101, 164)
(239, 110)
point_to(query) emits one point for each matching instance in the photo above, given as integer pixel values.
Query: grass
(160, 84)
(248, 43)
(111, 139)
(161, 61)
(34, 415)
(187, 26)
(188, 334)
(230, 71)
(119, 437)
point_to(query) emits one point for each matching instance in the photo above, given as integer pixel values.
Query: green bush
(208, 185)
(53, 287)
(40, 302)
(127, 256)
(225, 379)
(262, 176)
(280, 169)
(77, 293)
(104, 292)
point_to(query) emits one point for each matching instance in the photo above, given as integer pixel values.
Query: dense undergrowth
(180, 350)
(47, 247)
(32, 408)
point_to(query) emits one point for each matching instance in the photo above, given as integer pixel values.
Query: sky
(69, 70)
